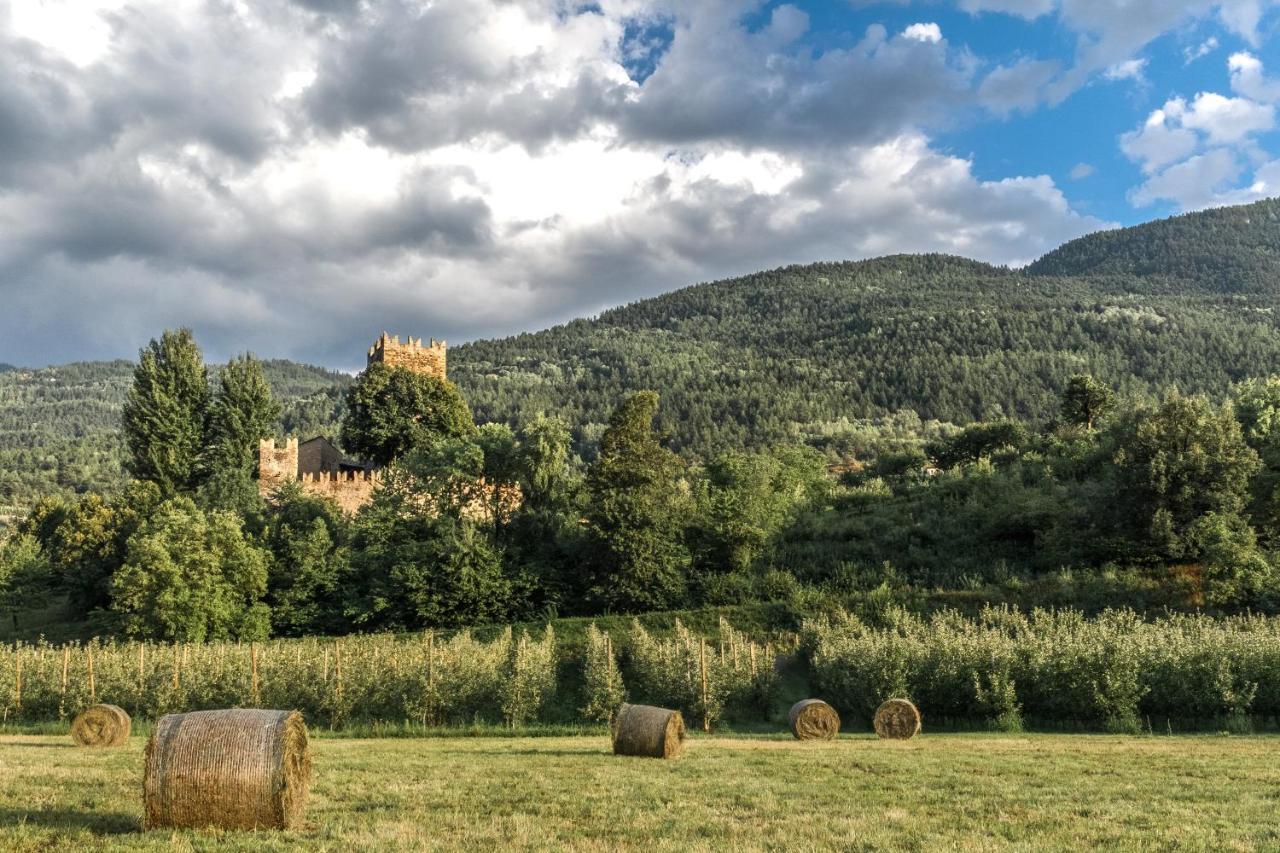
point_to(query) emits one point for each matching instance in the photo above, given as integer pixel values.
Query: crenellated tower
(276, 465)
(319, 467)
(413, 354)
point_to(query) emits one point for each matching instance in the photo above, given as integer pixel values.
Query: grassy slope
(968, 792)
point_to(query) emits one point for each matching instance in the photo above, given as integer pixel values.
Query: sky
(292, 177)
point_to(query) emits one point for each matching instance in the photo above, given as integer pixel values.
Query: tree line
(189, 551)
(1168, 502)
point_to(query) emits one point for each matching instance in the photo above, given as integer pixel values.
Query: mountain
(835, 354)
(805, 353)
(1227, 250)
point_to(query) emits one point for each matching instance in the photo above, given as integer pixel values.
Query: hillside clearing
(956, 791)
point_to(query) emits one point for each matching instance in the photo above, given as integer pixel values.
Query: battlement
(350, 490)
(328, 478)
(413, 354)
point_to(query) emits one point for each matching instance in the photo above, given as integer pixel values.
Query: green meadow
(938, 791)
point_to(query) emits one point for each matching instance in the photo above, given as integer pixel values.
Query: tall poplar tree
(166, 412)
(634, 514)
(243, 412)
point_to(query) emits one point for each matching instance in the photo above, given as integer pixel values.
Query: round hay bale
(648, 731)
(813, 719)
(236, 769)
(897, 719)
(101, 725)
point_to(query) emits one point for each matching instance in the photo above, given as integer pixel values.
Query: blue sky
(291, 178)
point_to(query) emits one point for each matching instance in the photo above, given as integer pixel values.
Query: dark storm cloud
(415, 77)
(292, 178)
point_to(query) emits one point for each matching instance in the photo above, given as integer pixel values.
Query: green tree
(166, 411)
(423, 553)
(307, 536)
(192, 576)
(748, 498)
(412, 570)
(544, 461)
(242, 412)
(1086, 400)
(977, 442)
(1173, 464)
(1257, 408)
(636, 514)
(544, 536)
(26, 577)
(87, 545)
(1236, 572)
(391, 410)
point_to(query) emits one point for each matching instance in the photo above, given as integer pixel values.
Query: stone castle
(318, 466)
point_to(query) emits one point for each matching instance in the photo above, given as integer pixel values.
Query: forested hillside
(827, 354)
(1229, 250)
(60, 426)
(798, 353)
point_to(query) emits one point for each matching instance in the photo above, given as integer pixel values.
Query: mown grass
(1036, 792)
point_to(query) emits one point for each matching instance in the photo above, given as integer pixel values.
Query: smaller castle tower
(276, 465)
(428, 359)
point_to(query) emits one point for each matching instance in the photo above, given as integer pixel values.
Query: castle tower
(276, 465)
(428, 359)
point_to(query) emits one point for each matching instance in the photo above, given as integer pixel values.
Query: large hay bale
(236, 769)
(101, 725)
(813, 719)
(897, 719)
(648, 731)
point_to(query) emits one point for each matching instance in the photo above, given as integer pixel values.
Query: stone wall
(349, 489)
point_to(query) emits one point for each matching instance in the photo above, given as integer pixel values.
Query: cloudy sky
(292, 177)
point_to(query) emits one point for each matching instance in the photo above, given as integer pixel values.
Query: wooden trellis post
(702, 665)
(17, 677)
(66, 666)
(176, 663)
(337, 670)
(93, 690)
(431, 677)
(253, 666)
(142, 671)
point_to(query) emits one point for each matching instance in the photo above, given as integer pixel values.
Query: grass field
(971, 792)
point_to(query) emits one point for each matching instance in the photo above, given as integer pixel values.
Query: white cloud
(292, 178)
(79, 30)
(1110, 33)
(1128, 70)
(1249, 79)
(1162, 140)
(930, 33)
(1200, 181)
(1195, 154)
(1081, 171)
(1029, 9)
(1201, 50)
(1018, 86)
(1228, 120)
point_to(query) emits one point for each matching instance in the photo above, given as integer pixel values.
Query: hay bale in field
(648, 731)
(897, 719)
(236, 769)
(813, 719)
(101, 725)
